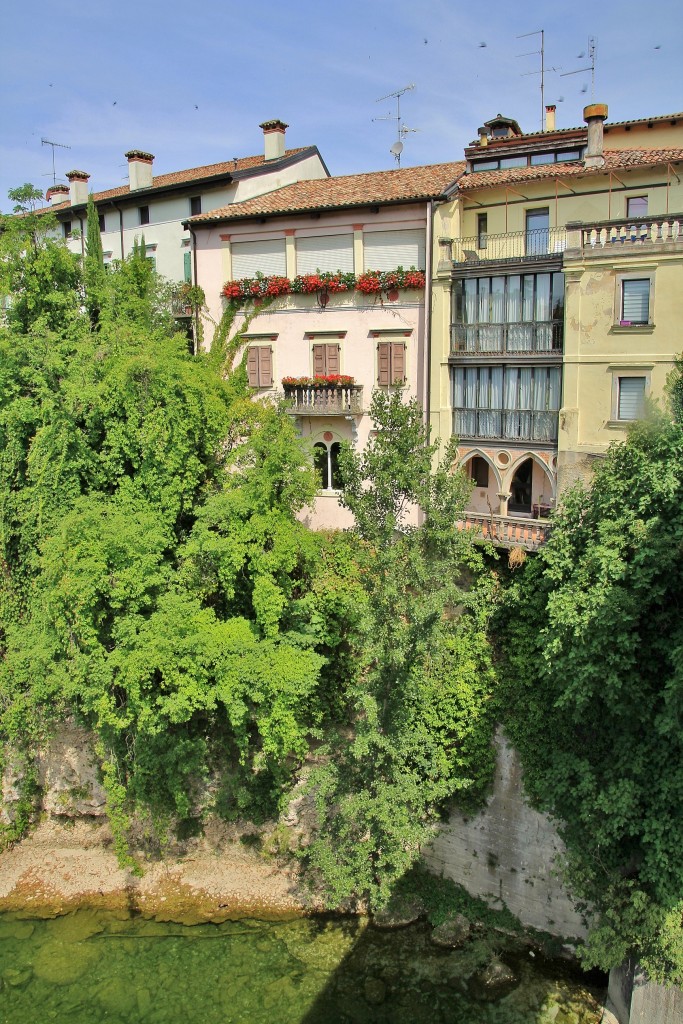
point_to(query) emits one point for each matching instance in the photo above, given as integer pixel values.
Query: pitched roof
(406, 184)
(615, 159)
(227, 168)
(553, 133)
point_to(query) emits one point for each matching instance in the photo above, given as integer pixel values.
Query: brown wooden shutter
(398, 362)
(252, 367)
(265, 366)
(383, 363)
(331, 358)
(318, 360)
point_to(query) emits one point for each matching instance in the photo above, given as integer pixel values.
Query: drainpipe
(194, 282)
(428, 312)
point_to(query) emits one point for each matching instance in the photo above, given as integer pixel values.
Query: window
(260, 366)
(386, 250)
(479, 471)
(326, 462)
(326, 360)
(631, 397)
(267, 255)
(100, 218)
(508, 313)
(482, 224)
(195, 205)
(391, 363)
(567, 155)
(325, 253)
(143, 214)
(635, 301)
(636, 206)
(66, 228)
(511, 402)
(187, 267)
(537, 231)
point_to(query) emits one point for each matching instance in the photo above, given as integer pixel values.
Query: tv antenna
(46, 142)
(401, 129)
(543, 69)
(592, 47)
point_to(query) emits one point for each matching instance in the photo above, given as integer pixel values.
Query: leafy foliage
(593, 646)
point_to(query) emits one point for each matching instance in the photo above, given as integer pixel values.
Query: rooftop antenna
(46, 142)
(401, 129)
(539, 32)
(592, 47)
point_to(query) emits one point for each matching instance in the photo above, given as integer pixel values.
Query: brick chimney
(594, 114)
(78, 187)
(139, 169)
(550, 118)
(274, 138)
(57, 194)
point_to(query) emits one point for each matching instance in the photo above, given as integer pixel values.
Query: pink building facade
(351, 259)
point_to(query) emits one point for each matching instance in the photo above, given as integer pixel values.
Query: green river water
(92, 966)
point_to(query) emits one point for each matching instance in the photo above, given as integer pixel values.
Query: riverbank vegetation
(156, 583)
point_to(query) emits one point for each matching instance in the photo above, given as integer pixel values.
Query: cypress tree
(93, 270)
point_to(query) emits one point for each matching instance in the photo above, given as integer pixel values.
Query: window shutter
(631, 398)
(398, 362)
(324, 253)
(332, 359)
(267, 256)
(386, 250)
(318, 360)
(252, 367)
(265, 366)
(187, 266)
(383, 363)
(636, 301)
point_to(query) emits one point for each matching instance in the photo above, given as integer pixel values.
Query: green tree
(94, 272)
(419, 706)
(592, 694)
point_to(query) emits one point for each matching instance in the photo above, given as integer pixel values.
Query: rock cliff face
(509, 854)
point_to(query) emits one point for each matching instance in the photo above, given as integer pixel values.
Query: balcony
(332, 400)
(518, 339)
(663, 233)
(506, 425)
(514, 246)
(507, 531)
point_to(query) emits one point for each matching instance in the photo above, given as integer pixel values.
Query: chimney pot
(140, 174)
(78, 187)
(594, 114)
(274, 138)
(483, 136)
(550, 117)
(57, 194)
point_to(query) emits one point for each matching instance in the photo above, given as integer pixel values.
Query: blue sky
(191, 82)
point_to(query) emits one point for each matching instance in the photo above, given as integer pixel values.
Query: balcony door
(520, 489)
(537, 231)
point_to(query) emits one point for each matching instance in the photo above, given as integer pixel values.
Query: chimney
(483, 136)
(57, 194)
(78, 187)
(139, 169)
(594, 114)
(274, 138)
(550, 118)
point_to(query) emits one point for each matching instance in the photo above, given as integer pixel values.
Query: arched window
(326, 461)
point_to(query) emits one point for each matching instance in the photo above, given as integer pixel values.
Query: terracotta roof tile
(189, 176)
(615, 159)
(351, 190)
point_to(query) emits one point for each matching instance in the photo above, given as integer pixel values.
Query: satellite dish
(396, 149)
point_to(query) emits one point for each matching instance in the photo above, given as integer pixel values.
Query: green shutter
(187, 266)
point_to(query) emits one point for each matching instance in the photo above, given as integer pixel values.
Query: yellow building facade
(557, 295)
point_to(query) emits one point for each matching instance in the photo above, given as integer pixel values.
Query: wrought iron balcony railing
(545, 338)
(506, 424)
(513, 245)
(331, 400)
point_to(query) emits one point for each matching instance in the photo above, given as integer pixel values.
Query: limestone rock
(497, 975)
(453, 933)
(375, 991)
(399, 912)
